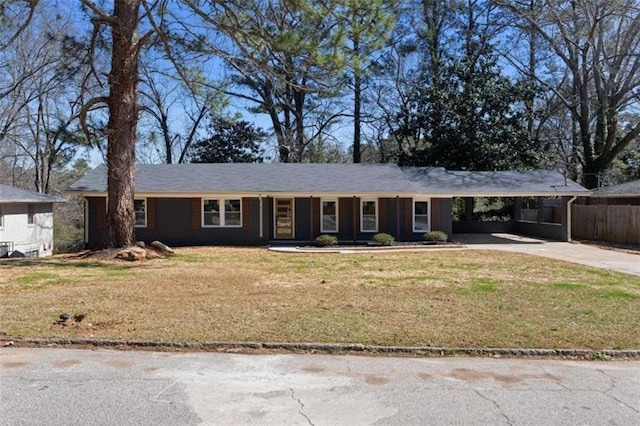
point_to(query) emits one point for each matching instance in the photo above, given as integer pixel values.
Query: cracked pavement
(47, 386)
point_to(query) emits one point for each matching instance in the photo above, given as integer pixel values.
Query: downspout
(569, 216)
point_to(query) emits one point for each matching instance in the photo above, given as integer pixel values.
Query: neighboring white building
(26, 222)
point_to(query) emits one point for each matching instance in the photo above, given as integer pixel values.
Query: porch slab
(364, 248)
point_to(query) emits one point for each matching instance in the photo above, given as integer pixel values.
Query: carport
(539, 201)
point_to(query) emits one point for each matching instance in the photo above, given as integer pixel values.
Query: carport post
(568, 216)
(540, 209)
(517, 209)
(468, 209)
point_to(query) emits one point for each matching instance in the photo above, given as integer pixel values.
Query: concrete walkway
(574, 252)
(569, 252)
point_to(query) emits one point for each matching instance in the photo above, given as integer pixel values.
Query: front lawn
(460, 298)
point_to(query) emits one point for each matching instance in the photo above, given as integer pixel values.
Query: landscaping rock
(132, 254)
(163, 248)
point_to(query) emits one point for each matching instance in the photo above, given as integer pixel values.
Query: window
(232, 213)
(140, 209)
(211, 213)
(221, 213)
(329, 216)
(31, 215)
(1, 218)
(421, 216)
(369, 216)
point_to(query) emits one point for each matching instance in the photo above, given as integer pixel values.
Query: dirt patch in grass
(461, 298)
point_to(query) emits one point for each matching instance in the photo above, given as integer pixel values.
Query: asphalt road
(51, 386)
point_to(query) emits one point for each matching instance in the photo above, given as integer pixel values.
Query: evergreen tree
(367, 24)
(463, 113)
(230, 141)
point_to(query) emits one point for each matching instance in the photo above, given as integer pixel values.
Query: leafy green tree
(463, 114)
(68, 218)
(412, 60)
(230, 141)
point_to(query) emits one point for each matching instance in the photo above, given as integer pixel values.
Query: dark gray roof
(10, 194)
(505, 183)
(257, 178)
(305, 178)
(627, 189)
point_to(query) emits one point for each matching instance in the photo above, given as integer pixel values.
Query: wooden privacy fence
(617, 224)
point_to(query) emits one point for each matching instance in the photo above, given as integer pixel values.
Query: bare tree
(176, 112)
(597, 43)
(283, 57)
(15, 16)
(367, 26)
(42, 66)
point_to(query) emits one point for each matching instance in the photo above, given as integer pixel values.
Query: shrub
(436, 236)
(325, 240)
(383, 239)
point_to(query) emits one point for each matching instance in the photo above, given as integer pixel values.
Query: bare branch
(31, 4)
(86, 108)
(106, 17)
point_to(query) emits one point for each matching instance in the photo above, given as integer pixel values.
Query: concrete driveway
(569, 252)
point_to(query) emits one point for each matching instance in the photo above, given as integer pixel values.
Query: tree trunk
(357, 98)
(123, 119)
(591, 175)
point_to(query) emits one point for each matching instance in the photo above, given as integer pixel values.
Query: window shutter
(101, 213)
(196, 204)
(383, 215)
(246, 213)
(343, 215)
(151, 213)
(435, 214)
(316, 216)
(408, 215)
(357, 207)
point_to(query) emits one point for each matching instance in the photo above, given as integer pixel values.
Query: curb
(333, 348)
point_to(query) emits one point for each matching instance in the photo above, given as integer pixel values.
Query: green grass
(459, 298)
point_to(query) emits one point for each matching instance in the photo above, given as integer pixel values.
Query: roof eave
(631, 195)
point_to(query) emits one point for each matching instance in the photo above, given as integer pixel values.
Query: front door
(284, 218)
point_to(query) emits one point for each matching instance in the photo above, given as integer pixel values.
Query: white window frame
(322, 228)
(375, 203)
(222, 212)
(143, 225)
(413, 204)
(31, 215)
